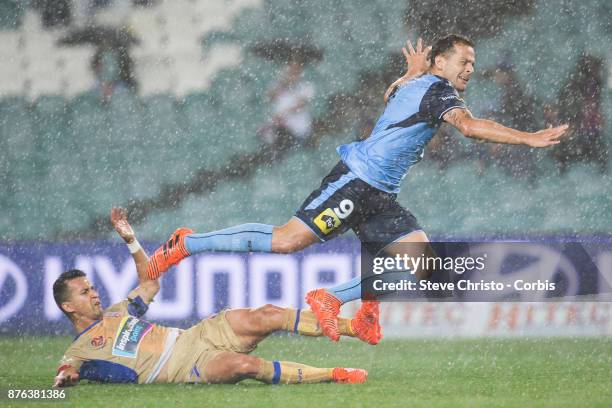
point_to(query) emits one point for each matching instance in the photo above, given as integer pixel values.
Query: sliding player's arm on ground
(491, 131)
(68, 372)
(416, 62)
(66, 377)
(147, 288)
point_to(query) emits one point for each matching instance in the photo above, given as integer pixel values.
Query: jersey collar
(87, 329)
(441, 78)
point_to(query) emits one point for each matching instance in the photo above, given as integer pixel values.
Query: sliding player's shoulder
(116, 309)
(136, 304)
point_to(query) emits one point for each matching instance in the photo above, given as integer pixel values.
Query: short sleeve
(440, 98)
(71, 359)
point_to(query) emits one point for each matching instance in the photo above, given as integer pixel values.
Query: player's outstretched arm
(492, 131)
(148, 287)
(417, 64)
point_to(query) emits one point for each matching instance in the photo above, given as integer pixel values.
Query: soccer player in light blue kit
(360, 191)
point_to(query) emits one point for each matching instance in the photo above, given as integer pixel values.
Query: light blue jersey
(412, 116)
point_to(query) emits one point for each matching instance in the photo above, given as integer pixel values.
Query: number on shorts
(344, 209)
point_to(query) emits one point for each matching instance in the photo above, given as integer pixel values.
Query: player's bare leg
(228, 367)
(253, 325)
(290, 237)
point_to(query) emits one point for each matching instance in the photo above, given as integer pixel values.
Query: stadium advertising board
(204, 284)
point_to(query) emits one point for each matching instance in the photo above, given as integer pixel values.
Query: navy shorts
(345, 201)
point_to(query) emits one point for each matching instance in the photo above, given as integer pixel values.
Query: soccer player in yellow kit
(116, 346)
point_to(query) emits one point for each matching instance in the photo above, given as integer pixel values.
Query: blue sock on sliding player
(351, 290)
(241, 238)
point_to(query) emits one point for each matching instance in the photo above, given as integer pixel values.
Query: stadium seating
(11, 14)
(70, 157)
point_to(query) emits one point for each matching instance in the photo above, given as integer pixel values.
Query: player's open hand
(66, 378)
(416, 59)
(546, 137)
(119, 219)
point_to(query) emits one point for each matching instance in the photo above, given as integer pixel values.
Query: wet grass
(406, 373)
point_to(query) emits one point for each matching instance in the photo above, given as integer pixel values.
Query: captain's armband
(137, 306)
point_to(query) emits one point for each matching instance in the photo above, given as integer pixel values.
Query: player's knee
(286, 246)
(291, 242)
(269, 311)
(291, 237)
(266, 315)
(245, 366)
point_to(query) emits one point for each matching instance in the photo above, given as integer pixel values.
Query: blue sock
(277, 372)
(241, 238)
(347, 291)
(351, 290)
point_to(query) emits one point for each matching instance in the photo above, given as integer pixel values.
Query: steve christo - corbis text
(462, 285)
(458, 265)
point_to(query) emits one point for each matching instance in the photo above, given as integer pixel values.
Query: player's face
(84, 299)
(458, 66)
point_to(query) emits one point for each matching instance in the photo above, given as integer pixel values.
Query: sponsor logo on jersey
(445, 98)
(98, 342)
(327, 221)
(130, 333)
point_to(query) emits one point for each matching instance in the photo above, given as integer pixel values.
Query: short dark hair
(445, 44)
(60, 286)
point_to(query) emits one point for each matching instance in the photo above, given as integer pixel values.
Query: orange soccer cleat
(326, 308)
(365, 324)
(349, 375)
(171, 253)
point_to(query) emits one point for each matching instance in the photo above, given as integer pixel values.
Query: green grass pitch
(403, 373)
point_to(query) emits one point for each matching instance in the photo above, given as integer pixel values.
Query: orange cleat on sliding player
(349, 375)
(169, 254)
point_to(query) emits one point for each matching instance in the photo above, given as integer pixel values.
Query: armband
(137, 307)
